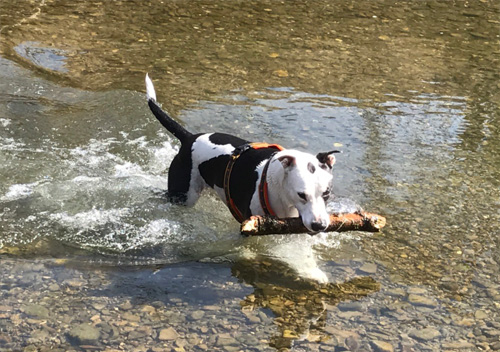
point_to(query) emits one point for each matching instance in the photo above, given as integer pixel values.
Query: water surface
(410, 93)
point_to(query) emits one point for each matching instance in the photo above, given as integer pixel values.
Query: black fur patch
(242, 184)
(222, 139)
(213, 170)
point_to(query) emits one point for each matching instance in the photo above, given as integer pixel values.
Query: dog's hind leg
(179, 177)
(185, 183)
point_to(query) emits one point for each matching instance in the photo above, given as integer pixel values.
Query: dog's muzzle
(319, 226)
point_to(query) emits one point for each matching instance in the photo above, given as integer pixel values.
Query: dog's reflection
(298, 303)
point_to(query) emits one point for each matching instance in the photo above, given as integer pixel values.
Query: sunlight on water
(407, 90)
(106, 194)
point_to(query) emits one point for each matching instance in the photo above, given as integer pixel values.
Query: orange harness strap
(263, 196)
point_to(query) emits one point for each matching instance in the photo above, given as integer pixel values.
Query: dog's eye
(326, 194)
(302, 195)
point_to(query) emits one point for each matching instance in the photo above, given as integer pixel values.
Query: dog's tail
(169, 123)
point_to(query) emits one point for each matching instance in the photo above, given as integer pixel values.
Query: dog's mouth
(313, 231)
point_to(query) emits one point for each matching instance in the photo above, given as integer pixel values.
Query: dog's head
(307, 182)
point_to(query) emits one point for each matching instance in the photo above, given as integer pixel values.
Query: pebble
(495, 346)
(459, 345)
(74, 283)
(418, 300)
(425, 334)
(125, 305)
(5, 308)
(168, 334)
(54, 287)
(131, 317)
(197, 315)
(350, 306)
(39, 336)
(252, 318)
(368, 268)
(382, 346)
(352, 342)
(480, 315)
(148, 309)
(36, 310)
(225, 340)
(84, 334)
(349, 314)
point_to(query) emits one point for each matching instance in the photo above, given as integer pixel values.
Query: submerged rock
(426, 334)
(168, 334)
(84, 334)
(36, 311)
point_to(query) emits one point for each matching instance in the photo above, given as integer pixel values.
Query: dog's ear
(327, 158)
(287, 160)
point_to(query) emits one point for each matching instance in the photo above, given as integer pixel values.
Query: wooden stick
(264, 225)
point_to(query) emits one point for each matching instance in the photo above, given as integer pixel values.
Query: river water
(92, 257)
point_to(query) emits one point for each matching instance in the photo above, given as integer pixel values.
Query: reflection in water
(299, 306)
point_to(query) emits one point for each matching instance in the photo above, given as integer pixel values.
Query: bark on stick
(264, 225)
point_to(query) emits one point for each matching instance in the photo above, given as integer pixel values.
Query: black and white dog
(251, 178)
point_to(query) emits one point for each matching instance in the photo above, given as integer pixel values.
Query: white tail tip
(150, 89)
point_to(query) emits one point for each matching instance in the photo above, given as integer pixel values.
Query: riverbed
(94, 258)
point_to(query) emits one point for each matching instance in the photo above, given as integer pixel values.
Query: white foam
(19, 191)
(128, 169)
(161, 158)
(101, 195)
(85, 179)
(156, 231)
(89, 219)
(5, 122)
(140, 142)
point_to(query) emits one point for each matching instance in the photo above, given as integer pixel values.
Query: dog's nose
(318, 226)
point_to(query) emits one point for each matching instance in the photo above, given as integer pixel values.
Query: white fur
(285, 182)
(203, 150)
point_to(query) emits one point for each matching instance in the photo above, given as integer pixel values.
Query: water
(409, 92)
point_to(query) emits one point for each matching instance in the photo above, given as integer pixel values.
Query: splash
(19, 191)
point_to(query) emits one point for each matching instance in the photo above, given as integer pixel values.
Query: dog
(251, 178)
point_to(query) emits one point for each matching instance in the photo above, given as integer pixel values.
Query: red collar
(263, 193)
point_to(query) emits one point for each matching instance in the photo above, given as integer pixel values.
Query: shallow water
(409, 92)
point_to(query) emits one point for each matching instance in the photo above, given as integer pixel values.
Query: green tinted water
(410, 92)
